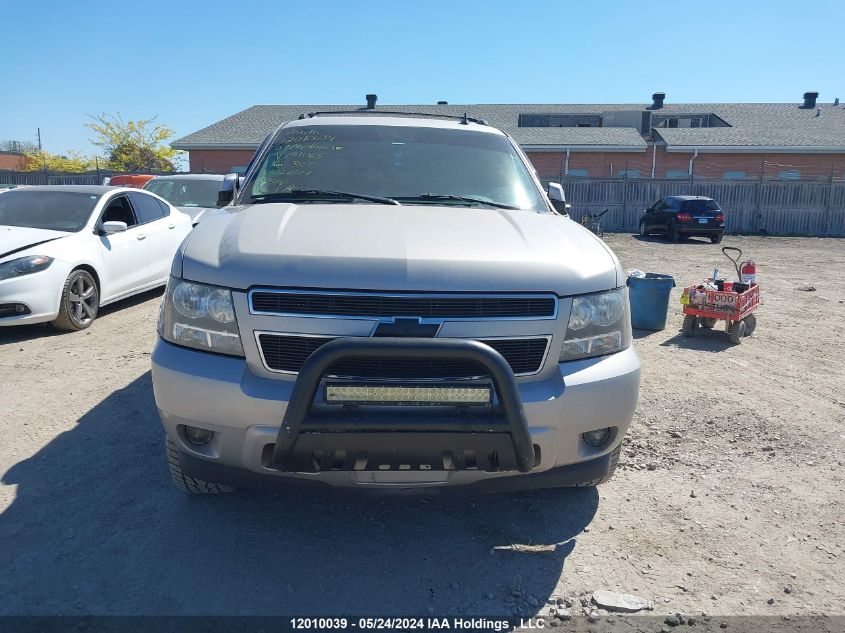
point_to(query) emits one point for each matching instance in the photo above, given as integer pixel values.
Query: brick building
(732, 141)
(13, 161)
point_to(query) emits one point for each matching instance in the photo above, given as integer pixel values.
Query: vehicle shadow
(18, 333)
(96, 527)
(661, 239)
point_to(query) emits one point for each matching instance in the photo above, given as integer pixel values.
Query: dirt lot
(730, 494)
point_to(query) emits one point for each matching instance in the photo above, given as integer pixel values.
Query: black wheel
(80, 302)
(737, 332)
(643, 231)
(673, 234)
(716, 239)
(750, 324)
(690, 325)
(707, 322)
(614, 462)
(185, 483)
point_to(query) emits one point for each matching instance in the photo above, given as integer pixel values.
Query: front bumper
(40, 292)
(246, 411)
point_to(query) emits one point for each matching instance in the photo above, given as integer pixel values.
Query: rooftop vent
(657, 100)
(442, 103)
(810, 100)
(836, 101)
(371, 102)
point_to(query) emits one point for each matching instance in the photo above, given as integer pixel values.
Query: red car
(128, 180)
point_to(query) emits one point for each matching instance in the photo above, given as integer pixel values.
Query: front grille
(423, 306)
(283, 352)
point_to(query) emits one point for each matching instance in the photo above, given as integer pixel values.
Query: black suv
(681, 216)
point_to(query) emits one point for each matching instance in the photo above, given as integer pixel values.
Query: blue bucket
(650, 300)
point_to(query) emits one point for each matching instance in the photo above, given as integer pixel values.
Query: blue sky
(193, 63)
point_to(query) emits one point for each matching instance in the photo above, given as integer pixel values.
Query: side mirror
(558, 198)
(114, 226)
(228, 189)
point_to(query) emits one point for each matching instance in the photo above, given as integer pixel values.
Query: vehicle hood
(16, 239)
(400, 248)
(196, 212)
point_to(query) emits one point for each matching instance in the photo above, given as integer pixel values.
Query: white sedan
(67, 250)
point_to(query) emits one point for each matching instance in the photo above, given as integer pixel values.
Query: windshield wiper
(446, 196)
(299, 194)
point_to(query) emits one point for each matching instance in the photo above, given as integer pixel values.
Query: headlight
(24, 266)
(599, 324)
(199, 316)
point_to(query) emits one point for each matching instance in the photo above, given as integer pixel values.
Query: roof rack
(462, 118)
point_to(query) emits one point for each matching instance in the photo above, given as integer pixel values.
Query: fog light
(597, 437)
(197, 435)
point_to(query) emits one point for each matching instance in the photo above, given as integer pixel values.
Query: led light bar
(407, 394)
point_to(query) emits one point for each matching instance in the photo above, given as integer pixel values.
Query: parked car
(407, 309)
(67, 250)
(194, 194)
(128, 180)
(678, 217)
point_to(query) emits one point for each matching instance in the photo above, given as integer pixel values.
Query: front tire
(690, 325)
(750, 324)
(186, 483)
(643, 231)
(79, 303)
(737, 332)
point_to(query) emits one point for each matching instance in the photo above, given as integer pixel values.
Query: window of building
(629, 173)
(581, 173)
(734, 175)
(789, 174)
(677, 174)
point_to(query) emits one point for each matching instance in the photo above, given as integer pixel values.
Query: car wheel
(643, 231)
(674, 234)
(80, 302)
(185, 483)
(614, 462)
(737, 332)
(690, 325)
(716, 239)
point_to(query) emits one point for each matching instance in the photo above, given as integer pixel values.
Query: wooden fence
(758, 206)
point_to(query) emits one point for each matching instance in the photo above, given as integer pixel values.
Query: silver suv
(391, 302)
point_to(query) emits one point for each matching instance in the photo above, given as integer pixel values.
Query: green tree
(71, 162)
(133, 145)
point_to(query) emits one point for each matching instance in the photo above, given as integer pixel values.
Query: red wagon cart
(734, 303)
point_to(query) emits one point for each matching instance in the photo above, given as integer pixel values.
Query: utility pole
(43, 158)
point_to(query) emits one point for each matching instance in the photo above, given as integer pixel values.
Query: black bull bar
(508, 418)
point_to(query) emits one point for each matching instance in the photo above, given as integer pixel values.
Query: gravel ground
(728, 501)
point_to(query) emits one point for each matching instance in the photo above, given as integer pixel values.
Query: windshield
(186, 192)
(397, 162)
(700, 205)
(54, 210)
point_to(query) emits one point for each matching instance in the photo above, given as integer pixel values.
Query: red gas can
(748, 272)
